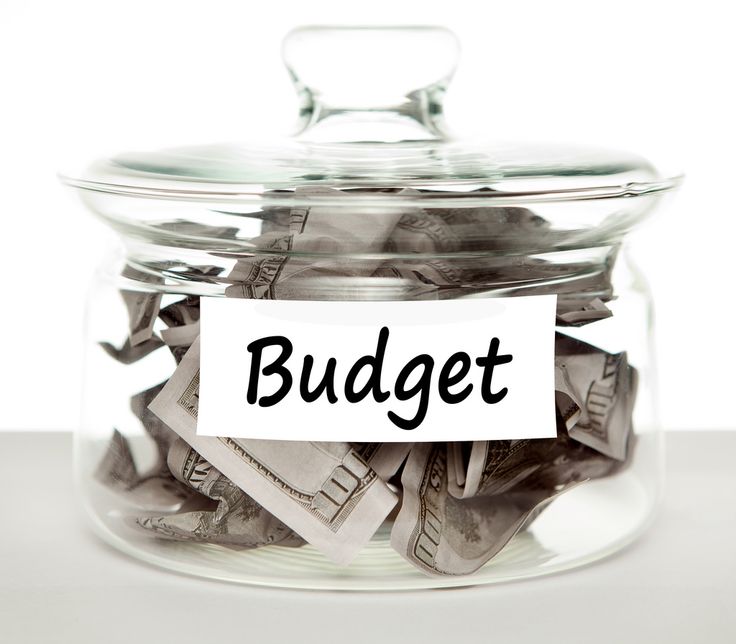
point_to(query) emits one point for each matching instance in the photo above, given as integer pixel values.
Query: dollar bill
(182, 320)
(479, 455)
(443, 535)
(498, 466)
(567, 401)
(384, 459)
(161, 435)
(182, 313)
(128, 353)
(142, 305)
(322, 233)
(497, 228)
(156, 490)
(237, 520)
(424, 231)
(581, 314)
(451, 230)
(604, 387)
(436, 276)
(180, 336)
(325, 492)
(458, 456)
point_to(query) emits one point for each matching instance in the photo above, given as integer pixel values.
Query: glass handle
(392, 77)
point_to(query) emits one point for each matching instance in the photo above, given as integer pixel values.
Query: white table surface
(60, 583)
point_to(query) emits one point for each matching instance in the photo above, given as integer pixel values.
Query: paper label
(453, 370)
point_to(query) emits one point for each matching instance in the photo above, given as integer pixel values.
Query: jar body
(594, 501)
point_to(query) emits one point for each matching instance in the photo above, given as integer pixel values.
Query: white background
(83, 79)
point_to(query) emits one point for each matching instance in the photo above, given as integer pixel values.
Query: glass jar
(370, 221)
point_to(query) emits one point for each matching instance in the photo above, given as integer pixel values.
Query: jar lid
(371, 124)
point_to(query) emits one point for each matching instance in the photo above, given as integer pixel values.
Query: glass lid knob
(371, 83)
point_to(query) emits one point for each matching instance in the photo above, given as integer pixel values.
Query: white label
(454, 370)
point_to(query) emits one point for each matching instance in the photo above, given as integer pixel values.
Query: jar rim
(423, 195)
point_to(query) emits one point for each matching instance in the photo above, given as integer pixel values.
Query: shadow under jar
(255, 407)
